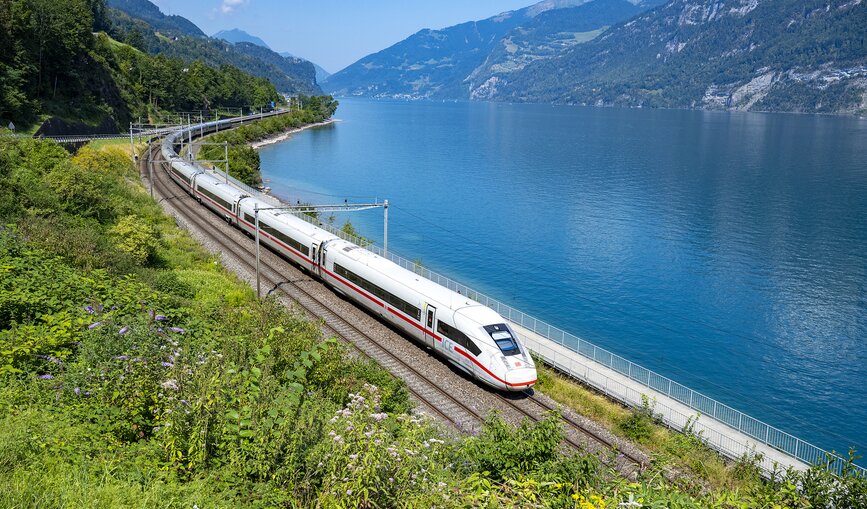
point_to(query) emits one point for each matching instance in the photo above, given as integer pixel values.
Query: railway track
(425, 390)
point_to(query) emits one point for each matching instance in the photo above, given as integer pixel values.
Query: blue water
(727, 251)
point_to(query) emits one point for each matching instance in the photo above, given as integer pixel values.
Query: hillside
(301, 72)
(239, 37)
(777, 55)
(547, 35)
(151, 14)
(321, 74)
(294, 76)
(429, 64)
(235, 36)
(780, 55)
(435, 64)
(54, 65)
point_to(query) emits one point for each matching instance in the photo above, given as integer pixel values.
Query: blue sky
(333, 33)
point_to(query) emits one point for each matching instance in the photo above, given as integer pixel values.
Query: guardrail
(704, 405)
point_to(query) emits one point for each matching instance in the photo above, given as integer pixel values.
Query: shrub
(134, 236)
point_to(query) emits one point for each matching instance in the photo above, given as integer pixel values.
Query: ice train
(473, 337)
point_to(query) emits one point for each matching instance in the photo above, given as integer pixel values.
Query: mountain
(290, 76)
(237, 35)
(434, 64)
(780, 55)
(429, 64)
(299, 69)
(783, 55)
(151, 14)
(294, 64)
(321, 74)
(547, 35)
(68, 76)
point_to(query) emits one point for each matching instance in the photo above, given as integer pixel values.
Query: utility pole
(151, 168)
(343, 207)
(131, 148)
(190, 143)
(258, 285)
(226, 152)
(385, 229)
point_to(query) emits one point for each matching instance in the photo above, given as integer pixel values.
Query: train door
(236, 210)
(323, 252)
(429, 324)
(315, 257)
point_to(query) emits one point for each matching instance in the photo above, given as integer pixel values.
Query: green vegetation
(53, 64)
(686, 451)
(136, 372)
(243, 159)
(349, 229)
(139, 23)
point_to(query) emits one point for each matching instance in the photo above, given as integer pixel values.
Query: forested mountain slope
(442, 64)
(429, 64)
(546, 36)
(151, 14)
(236, 35)
(783, 55)
(290, 76)
(54, 64)
(772, 55)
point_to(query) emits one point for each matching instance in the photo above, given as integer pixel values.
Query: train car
(282, 231)
(471, 336)
(219, 196)
(184, 173)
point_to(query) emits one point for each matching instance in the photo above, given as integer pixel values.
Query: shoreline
(285, 135)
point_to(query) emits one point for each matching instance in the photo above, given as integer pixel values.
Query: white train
(471, 336)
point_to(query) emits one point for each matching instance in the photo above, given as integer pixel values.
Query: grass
(117, 143)
(665, 446)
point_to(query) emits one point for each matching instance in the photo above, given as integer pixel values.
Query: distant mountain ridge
(236, 35)
(779, 55)
(130, 24)
(434, 64)
(548, 35)
(321, 74)
(151, 14)
(429, 64)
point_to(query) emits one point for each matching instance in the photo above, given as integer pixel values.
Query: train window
(223, 203)
(458, 337)
(181, 176)
(394, 300)
(503, 338)
(285, 239)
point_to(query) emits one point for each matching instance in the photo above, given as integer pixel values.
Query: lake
(725, 250)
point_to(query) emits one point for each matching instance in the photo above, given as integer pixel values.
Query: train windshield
(502, 336)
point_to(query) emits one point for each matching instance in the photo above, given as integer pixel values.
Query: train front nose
(518, 379)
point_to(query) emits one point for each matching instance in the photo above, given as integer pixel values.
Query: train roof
(289, 219)
(224, 189)
(400, 275)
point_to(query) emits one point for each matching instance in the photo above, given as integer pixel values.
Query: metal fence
(705, 406)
